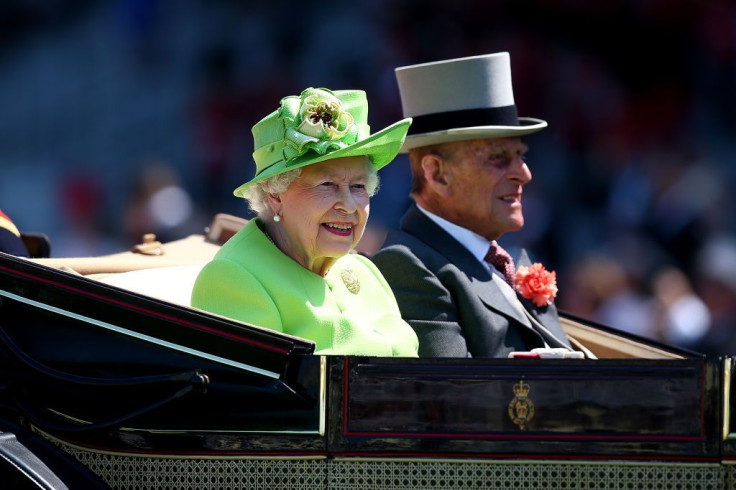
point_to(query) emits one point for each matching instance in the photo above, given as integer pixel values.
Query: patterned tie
(502, 261)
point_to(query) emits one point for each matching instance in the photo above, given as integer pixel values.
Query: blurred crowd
(629, 203)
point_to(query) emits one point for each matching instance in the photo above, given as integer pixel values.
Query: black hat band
(466, 118)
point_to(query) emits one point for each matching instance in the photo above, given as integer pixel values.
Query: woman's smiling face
(323, 212)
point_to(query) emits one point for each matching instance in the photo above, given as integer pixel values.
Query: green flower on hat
(316, 121)
(324, 118)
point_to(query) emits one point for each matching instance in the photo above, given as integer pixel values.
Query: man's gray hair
(257, 193)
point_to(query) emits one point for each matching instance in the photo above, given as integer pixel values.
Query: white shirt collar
(476, 244)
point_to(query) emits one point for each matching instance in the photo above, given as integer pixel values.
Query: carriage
(108, 379)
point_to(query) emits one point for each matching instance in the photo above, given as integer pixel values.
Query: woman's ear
(274, 202)
(436, 173)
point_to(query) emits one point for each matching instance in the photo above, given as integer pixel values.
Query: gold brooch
(350, 280)
(521, 408)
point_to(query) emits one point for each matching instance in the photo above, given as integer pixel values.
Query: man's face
(485, 180)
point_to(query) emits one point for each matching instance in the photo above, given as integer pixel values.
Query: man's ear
(436, 173)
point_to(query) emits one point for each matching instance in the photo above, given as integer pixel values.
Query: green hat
(320, 125)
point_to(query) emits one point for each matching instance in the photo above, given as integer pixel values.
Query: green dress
(352, 310)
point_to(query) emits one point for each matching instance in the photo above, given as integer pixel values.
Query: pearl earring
(276, 218)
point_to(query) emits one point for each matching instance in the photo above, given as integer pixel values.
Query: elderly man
(457, 287)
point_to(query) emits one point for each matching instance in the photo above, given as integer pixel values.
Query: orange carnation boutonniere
(536, 284)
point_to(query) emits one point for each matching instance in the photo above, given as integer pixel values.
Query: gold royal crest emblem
(521, 408)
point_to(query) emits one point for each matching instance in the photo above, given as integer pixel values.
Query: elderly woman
(291, 269)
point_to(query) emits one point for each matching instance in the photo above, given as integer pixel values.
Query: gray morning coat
(452, 301)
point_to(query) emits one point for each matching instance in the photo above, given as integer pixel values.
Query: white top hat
(461, 99)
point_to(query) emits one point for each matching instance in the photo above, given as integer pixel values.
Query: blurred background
(122, 117)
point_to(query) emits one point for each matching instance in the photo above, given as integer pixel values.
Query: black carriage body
(527, 408)
(133, 387)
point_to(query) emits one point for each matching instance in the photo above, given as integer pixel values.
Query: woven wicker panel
(143, 473)
(140, 472)
(387, 474)
(730, 476)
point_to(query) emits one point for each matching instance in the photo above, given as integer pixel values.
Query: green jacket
(253, 281)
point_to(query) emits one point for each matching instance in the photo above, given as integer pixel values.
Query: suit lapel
(494, 298)
(484, 283)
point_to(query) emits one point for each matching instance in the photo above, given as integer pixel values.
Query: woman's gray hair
(257, 193)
